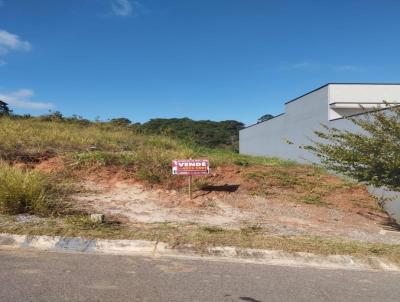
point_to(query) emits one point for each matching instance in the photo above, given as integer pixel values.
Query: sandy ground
(134, 203)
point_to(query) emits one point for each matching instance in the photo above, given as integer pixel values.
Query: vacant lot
(54, 173)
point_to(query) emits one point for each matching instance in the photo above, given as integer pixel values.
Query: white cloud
(122, 8)
(9, 41)
(22, 99)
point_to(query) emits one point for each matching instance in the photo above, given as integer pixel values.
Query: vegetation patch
(95, 144)
(371, 156)
(28, 191)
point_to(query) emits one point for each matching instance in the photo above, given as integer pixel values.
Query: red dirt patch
(298, 198)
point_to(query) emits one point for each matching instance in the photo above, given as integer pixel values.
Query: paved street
(38, 276)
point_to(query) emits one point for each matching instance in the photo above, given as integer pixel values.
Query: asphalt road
(38, 276)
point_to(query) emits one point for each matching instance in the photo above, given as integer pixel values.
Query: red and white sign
(190, 167)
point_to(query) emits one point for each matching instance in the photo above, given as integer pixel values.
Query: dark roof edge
(295, 99)
(255, 124)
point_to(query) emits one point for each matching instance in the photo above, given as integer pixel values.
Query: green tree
(371, 155)
(4, 109)
(265, 117)
(54, 116)
(122, 121)
(224, 134)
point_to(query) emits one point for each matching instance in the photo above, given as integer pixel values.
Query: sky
(202, 59)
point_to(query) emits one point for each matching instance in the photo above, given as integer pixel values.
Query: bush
(28, 191)
(371, 156)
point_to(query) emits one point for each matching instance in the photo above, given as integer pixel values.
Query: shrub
(371, 156)
(28, 191)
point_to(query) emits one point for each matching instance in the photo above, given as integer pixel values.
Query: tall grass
(28, 191)
(103, 144)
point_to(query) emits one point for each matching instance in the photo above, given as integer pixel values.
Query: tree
(265, 117)
(54, 116)
(4, 109)
(122, 121)
(371, 155)
(224, 134)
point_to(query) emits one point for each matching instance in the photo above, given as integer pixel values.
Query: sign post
(190, 167)
(190, 186)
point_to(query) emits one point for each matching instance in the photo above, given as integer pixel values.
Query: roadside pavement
(28, 275)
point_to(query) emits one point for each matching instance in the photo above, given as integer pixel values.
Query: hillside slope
(63, 168)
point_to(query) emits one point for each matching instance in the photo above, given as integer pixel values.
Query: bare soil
(232, 197)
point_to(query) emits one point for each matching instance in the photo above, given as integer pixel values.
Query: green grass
(200, 237)
(28, 191)
(313, 198)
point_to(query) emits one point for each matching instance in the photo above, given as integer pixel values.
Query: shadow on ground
(221, 188)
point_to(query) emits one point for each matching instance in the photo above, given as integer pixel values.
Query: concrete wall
(296, 125)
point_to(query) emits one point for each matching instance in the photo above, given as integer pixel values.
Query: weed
(313, 198)
(149, 176)
(94, 158)
(251, 229)
(241, 162)
(27, 191)
(212, 230)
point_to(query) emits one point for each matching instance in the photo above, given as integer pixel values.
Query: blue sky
(208, 59)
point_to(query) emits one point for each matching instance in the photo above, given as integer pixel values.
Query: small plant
(241, 162)
(313, 198)
(211, 229)
(82, 222)
(97, 158)
(148, 175)
(251, 229)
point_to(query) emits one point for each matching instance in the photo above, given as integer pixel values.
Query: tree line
(212, 134)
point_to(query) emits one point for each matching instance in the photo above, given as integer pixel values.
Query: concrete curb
(160, 249)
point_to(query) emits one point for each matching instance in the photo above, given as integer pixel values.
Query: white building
(284, 135)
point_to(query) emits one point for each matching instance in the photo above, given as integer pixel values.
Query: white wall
(362, 94)
(301, 118)
(304, 115)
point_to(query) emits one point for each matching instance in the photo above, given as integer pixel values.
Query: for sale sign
(190, 167)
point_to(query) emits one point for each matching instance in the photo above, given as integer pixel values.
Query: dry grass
(200, 237)
(28, 191)
(148, 157)
(301, 183)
